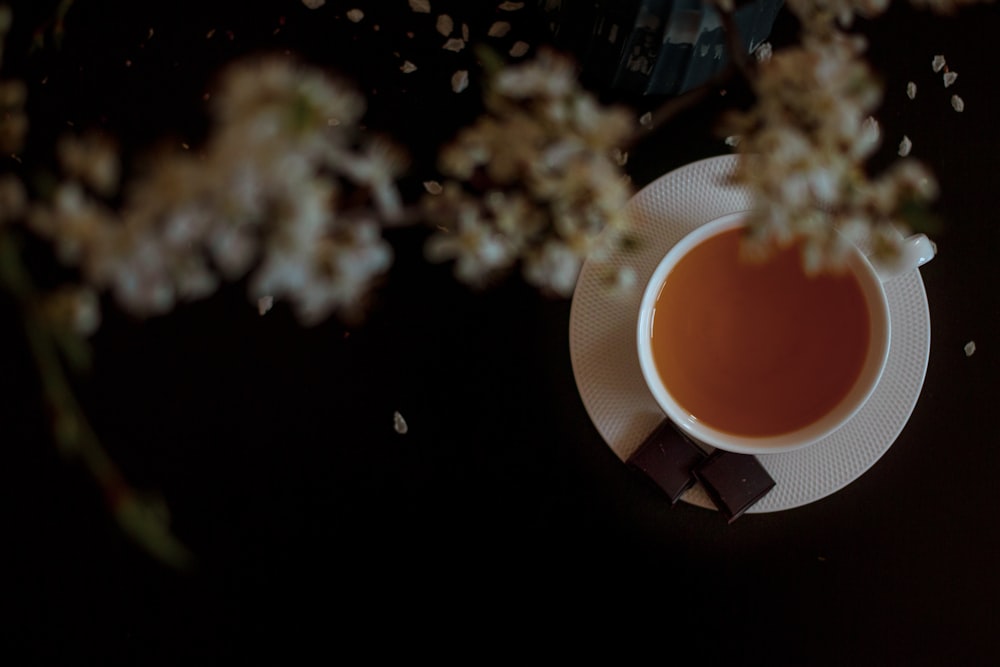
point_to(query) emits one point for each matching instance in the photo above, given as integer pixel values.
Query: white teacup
(718, 367)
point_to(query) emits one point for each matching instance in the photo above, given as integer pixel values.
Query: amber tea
(757, 348)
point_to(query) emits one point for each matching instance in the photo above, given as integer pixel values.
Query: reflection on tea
(757, 348)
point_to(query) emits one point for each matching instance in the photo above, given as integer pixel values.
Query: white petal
(445, 25)
(904, 146)
(499, 29)
(763, 52)
(264, 304)
(399, 424)
(519, 49)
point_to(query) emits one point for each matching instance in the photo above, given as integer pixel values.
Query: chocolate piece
(734, 481)
(667, 457)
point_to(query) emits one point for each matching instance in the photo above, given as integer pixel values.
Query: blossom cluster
(535, 181)
(820, 16)
(804, 145)
(291, 191)
(945, 6)
(265, 195)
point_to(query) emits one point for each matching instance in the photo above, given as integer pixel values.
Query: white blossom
(554, 267)
(499, 29)
(535, 181)
(93, 159)
(13, 198)
(13, 119)
(399, 424)
(763, 52)
(264, 304)
(803, 147)
(460, 80)
(479, 250)
(263, 192)
(819, 16)
(73, 308)
(444, 24)
(519, 49)
(905, 146)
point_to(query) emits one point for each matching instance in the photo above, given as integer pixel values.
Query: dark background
(501, 515)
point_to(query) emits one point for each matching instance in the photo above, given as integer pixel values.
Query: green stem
(57, 24)
(143, 518)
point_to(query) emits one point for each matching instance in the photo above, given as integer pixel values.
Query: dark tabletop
(501, 513)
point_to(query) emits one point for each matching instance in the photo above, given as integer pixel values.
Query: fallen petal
(399, 424)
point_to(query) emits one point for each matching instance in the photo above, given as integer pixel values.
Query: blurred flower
(13, 119)
(93, 160)
(479, 248)
(376, 165)
(819, 16)
(13, 199)
(534, 180)
(945, 6)
(265, 192)
(399, 423)
(74, 309)
(804, 144)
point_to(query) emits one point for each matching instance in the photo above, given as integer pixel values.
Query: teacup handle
(914, 251)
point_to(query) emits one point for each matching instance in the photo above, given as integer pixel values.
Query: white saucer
(606, 366)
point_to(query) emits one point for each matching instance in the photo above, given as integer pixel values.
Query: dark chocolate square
(667, 457)
(734, 481)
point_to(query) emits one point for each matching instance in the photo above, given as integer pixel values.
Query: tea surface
(757, 349)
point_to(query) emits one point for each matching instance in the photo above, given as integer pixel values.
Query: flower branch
(291, 192)
(142, 516)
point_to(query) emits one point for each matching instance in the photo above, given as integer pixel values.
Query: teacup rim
(873, 369)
